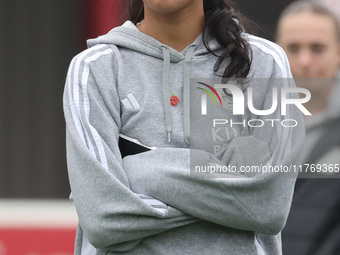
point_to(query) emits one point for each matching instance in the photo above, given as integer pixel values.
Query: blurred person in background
(309, 32)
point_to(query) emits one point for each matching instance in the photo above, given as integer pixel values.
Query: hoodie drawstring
(166, 92)
(186, 92)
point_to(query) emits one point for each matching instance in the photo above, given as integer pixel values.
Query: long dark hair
(226, 25)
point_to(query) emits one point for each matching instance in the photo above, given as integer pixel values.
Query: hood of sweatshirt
(128, 36)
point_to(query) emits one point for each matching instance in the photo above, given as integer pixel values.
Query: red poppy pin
(174, 99)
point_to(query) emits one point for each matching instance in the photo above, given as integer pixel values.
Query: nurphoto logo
(239, 99)
(204, 96)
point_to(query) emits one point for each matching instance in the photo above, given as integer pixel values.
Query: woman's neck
(177, 30)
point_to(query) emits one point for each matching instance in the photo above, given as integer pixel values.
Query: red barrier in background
(37, 241)
(99, 16)
(37, 227)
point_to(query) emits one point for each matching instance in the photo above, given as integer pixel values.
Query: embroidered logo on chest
(130, 102)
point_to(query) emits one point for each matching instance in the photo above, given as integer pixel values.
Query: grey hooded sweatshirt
(150, 203)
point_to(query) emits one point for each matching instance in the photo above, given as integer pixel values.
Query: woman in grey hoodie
(146, 81)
